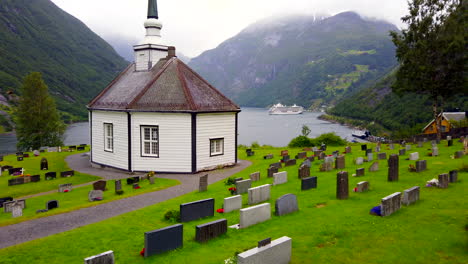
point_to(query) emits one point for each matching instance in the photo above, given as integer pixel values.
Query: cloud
(196, 26)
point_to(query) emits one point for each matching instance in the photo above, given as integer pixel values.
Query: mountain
(75, 62)
(307, 60)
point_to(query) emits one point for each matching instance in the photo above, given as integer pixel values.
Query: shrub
(300, 142)
(230, 181)
(119, 192)
(330, 139)
(172, 216)
(255, 144)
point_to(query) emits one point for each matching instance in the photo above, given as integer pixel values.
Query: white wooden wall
(119, 157)
(142, 57)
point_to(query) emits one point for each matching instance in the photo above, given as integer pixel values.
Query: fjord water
(255, 124)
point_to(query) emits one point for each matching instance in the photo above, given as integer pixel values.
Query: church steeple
(153, 9)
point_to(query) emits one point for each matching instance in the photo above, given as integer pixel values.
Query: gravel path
(42, 227)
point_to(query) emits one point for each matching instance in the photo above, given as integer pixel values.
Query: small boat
(279, 109)
(360, 134)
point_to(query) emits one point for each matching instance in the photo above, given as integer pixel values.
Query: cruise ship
(279, 109)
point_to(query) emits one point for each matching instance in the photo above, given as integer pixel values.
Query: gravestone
(18, 154)
(276, 165)
(100, 185)
(360, 172)
(280, 178)
(8, 206)
(13, 171)
(329, 159)
(411, 195)
(133, 180)
(284, 152)
(393, 167)
(203, 183)
(311, 158)
(259, 194)
(277, 252)
(50, 175)
(340, 162)
(382, 156)
(414, 156)
(377, 149)
(44, 164)
(67, 173)
(152, 179)
(207, 231)
(420, 144)
(370, 156)
(254, 215)
(243, 186)
(65, 187)
(95, 195)
(359, 161)
(71, 148)
(4, 200)
(255, 176)
(342, 187)
(391, 204)
(301, 155)
(362, 186)
(435, 151)
(286, 204)
(290, 162)
(326, 166)
(249, 152)
(368, 151)
(232, 203)
(103, 258)
(164, 239)
(196, 210)
(238, 179)
(80, 148)
(449, 143)
(408, 147)
(271, 171)
(449, 137)
(35, 178)
(52, 204)
(453, 176)
(322, 155)
(443, 180)
(16, 181)
(402, 152)
(118, 185)
(307, 163)
(304, 172)
(269, 156)
(374, 166)
(308, 183)
(391, 146)
(7, 168)
(264, 242)
(285, 158)
(421, 165)
(16, 211)
(459, 154)
(363, 147)
(20, 158)
(136, 186)
(348, 149)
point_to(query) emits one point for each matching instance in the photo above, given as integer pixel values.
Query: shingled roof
(170, 86)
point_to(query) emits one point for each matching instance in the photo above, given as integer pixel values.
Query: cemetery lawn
(324, 230)
(78, 198)
(31, 165)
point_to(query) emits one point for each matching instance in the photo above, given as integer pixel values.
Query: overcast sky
(195, 26)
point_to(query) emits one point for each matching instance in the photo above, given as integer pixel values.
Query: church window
(149, 141)
(216, 147)
(108, 137)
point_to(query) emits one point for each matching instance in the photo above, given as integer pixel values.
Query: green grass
(31, 165)
(431, 231)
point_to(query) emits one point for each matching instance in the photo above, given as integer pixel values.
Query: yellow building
(447, 119)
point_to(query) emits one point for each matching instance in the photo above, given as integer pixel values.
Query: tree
(305, 130)
(431, 52)
(37, 120)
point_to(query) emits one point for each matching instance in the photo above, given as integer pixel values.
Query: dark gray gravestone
(308, 183)
(340, 162)
(443, 180)
(393, 167)
(44, 164)
(67, 173)
(348, 149)
(35, 178)
(118, 185)
(304, 172)
(16, 181)
(103, 258)
(301, 155)
(264, 242)
(421, 165)
(210, 230)
(164, 239)
(453, 176)
(286, 204)
(363, 147)
(459, 154)
(4, 200)
(13, 171)
(382, 156)
(342, 187)
(19, 158)
(50, 175)
(271, 170)
(290, 162)
(196, 210)
(80, 148)
(450, 142)
(402, 152)
(100, 185)
(368, 151)
(7, 168)
(311, 158)
(52, 204)
(322, 155)
(203, 183)
(360, 172)
(276, 165)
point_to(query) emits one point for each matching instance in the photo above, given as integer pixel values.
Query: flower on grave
(66, 191)
(142, 252)
(355, 189)
(220, 210)
(233, 190)
(150, 174)
(136, 188)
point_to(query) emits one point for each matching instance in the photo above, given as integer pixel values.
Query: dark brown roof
(169, 86)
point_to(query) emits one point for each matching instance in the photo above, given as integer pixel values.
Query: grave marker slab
(35, 178)
(100, 185)
(16, 181)
(391, 204)
(95, 195)
(203, 183)
(259, 194)
(278, 252)
(382, 156)
(118, 185)
(243, 186)
(402, 152)
(286, 204)
(286, 158)
(459, 154)
(342, 186)
(340, 162)
(52, 204)
(207, 231)
(363, 147)
(348, 149)
(271, 171)
(421, 165)
(290, 162)
(414, 156)
(65, 187)
(443, 180)
(164, 239)
(103, 258)
(307, 163)
(44, 164)
(232, 203)
(16, 211)
(362, 186)
(196, 210)
(254, 215)
(67, 173)
(411, 195)
(276, 165)
(408, 147)
(326, 166)
(303, 172)
(449, 143)
(359, 161)
(308, 183)
(255, 176)
(435, 151)
(269, 156)
(284, 152)
(393, 168)
(280, 178)
(301, 155)
(360, 172)
(374, 166)
(370, 156)
(4, 200)
(50, 175)
(453, 176)
(8, 206)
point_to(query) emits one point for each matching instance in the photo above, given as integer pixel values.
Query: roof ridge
(110, 85)
(138, 97)
(187, 93)
(209, 85)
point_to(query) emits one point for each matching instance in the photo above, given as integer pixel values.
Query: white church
(159, 115)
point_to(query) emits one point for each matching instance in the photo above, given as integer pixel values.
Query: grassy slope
(430, 231)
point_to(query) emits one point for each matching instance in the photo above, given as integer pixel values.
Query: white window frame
(108, 137)
(153, 143)
(216, 147)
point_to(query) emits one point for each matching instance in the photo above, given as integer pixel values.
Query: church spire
(153, 9)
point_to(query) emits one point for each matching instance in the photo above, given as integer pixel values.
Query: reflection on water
(255, 124)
